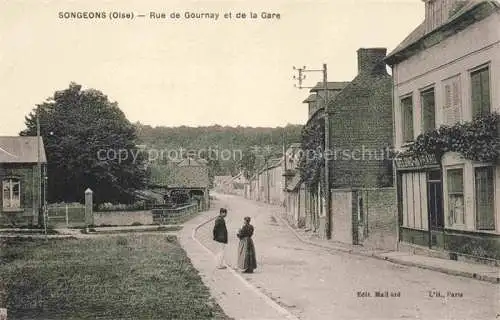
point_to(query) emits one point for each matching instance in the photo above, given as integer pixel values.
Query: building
(446, 73)
(188, 175)
(295, 190)
(231, 185)
(268, 183)
(22, 189)
(221, 183)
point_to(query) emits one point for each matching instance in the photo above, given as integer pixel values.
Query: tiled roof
(420, 31)
(21, 150)
(336, 85)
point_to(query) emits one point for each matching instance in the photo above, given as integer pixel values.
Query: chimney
(371, 60)
(437, 12)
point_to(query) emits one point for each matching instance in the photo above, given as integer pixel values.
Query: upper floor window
(428, 109)
(480, 92)
(452, 106)
(407, 118)
(11, 193)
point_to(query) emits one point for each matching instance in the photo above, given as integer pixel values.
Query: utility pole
(326, 154)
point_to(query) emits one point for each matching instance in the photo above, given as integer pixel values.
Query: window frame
(11, 181)
(472, 71)
(452, 219)
(404, 140)
(495, 204)
(422, 92)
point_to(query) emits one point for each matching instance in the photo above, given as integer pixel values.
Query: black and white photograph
(250, 160)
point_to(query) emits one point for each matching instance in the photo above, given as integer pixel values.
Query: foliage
(311, 164)
(476, 140)
(180, 197)
(136, 206)
(79, 128)
(239, 140)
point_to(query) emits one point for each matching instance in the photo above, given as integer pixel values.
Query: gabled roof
(21, 150)
(221, 179)
(295, 183)
(335, 85)
(471, 11)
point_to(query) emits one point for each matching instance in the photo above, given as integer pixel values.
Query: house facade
(295, 191)
(446, 72)
(23, 181)
(268, 183)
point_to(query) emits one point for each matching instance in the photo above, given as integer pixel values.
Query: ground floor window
(485, 198)
(414, 200)
(455, 184)
(11, 193)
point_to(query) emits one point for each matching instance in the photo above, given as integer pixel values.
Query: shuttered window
(407, 118)
(452, 105)
(485, 199)
(428, 110)
(480, 92)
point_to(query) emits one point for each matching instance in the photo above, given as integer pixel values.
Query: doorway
(435, 208)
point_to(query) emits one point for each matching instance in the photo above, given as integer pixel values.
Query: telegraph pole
(326, 154)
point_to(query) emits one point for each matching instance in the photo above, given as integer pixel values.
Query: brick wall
(361, 125)
(378, 226)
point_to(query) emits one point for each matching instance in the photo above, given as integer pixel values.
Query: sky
(192, 72)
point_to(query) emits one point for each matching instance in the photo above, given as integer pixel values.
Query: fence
(66, 215)
(174, 215)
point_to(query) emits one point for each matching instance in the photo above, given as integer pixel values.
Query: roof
(336, 85)
(413, 41)
(295, 183)
(181, 176)
(21, 150)
(312, 98)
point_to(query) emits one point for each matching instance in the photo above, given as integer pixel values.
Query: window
(452, 102)
(407, 121)
(480, 92)
(455, 185)
(485, 200)
(428, 109)
(11, 190)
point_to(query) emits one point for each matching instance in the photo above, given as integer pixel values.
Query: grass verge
(133, 277)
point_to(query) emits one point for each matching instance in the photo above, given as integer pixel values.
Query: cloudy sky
(190, 72)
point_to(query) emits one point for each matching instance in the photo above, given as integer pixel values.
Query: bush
(137, 206)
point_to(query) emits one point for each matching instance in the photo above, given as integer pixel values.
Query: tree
(89, 144)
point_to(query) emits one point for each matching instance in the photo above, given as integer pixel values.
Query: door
(435, 208)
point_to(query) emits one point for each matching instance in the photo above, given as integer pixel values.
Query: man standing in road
(220, 236)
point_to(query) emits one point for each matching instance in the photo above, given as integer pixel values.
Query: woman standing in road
(247, 261)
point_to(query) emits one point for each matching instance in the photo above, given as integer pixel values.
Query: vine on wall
(312, 163)
(477, 140)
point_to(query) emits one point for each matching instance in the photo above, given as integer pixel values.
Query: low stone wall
(173, 215)
(123, 218)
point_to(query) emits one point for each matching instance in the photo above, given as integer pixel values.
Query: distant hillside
(218, 137)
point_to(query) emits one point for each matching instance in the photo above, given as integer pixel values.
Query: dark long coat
(247, 260)
(220, 230)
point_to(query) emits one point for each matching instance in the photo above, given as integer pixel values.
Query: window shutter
(452, 103)
(485, 198)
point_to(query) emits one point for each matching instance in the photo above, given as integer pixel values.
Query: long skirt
(246, 255)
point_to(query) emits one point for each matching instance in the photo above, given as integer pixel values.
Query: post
(326, 154)
(67, 218)
(39, 167)
(267, 174)
(89, 215)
